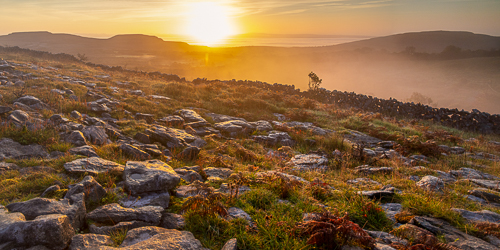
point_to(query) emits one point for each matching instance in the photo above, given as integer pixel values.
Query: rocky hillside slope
(101, 159)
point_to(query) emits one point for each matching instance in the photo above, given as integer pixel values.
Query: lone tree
(314, 81)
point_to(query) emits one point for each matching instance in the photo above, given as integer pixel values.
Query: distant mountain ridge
(428, 42)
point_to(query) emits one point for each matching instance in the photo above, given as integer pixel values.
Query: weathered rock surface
(275, 137)
(173, 221)
(84, 150)
(221, 173)
(485, 195)
(106, 229)
(160, 238)
(190, 153)
(89, 241)
(114, 213)
(230, 245)
(53, 231)
(190, 115)
(308, 162)
(452, 235)
(479, 216)
(95, 134)
(365, 169)
(9, 149)
(469, 173)
(431, 183)
(149, 176)
(357, 137)
(151, 199)
(235, 213)
(175, 138)
(377, 194)
(74, 208)
(76, 138)
(92, 165)
(391, 209)
(90, 187)
(490, 184)
(188, 175)
(134, 152)
(234, 128)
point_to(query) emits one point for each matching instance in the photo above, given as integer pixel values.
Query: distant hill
(427, 42)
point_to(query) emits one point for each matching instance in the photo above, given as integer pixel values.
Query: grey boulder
(90, 187)
(92, 165)
(9, 149)
(149, 176)
(95, 134)
(76, 138)
(114, 213)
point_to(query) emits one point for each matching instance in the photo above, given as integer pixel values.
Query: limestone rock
(469, 173)
(230, 245)
(95, 134)
(175, 138)
(53, 231)
(234, 128)
(90, 187)
(173, 221)
(114, 213)
(161, 239)
(89, 241)
(149, 176)
(9, 149)
(92, 165)
(134, 152)
(308, 162)
(235, 213)
(84, 150)
(222, 173)
(479, 216)
(106, 229)
(431, 183)
(190, 153)
(190, 116)
(73, 208)
(151, 199)
(76, 138)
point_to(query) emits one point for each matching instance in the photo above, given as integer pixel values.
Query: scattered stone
(106, 229)
(4, 109)
(173, 221)
(308, 162)
(230, 245)
(377, 194)
(53, 231)
(114, 213)
(356, 137)
(173, 120)
(222, 173)
(189, 175)
(224, 188)
(98, 107)
(363, 181)
(142, 138)
(134, 152)
(479, 216)
(92, 165)
(9, 149)
(235, 213)
(469, 173)
(190, 153)
(185, 191)
(431, 183)
(150, 199)
(391, 209)
(76, 138)
(149, 118)
(365, 169)
(485, 195)
(490, 184)
(262, 125)
(234, 128)
(160, 238)
(452, 235)
(89, 241)
(90, 187)
(175, 138)
(28, 100)
(149, 176)
(95, 134)
(223, 118)
(84, 150)
(190, 115)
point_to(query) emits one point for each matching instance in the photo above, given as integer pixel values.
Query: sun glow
(209, 23)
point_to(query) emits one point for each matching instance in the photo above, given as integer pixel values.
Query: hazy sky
(105, 18)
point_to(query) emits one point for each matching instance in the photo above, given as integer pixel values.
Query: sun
(209, 23)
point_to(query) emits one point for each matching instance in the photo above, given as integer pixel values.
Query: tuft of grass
(118, 236)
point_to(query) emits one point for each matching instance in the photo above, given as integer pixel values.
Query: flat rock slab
(222, 173)
(84, 150)
(365, 169)
(356, 137)
(120, 226)
(89, 241)
(377, 194)
(469, 173)
(149, 176)
(90, 187)
(485, 195)
(92, 165)
(114, 213)
(479, 216)
(152, 199)
(452, 235)
(490, 184)
(234, 128)
(95, 134)
(9, 149)
(175, 138)
(235, 213)
(308, 162)
(190, 115)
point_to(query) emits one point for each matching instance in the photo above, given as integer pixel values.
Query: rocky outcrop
(95, 134)
(76, 138)
(73, 207)
(134, 152)
(175, 138)
(53, 231)
(149, 176)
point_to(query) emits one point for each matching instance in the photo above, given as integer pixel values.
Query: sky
(164, 18)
